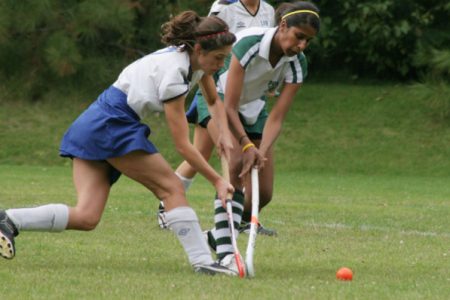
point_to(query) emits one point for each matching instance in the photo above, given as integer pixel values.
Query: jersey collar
(264, 47)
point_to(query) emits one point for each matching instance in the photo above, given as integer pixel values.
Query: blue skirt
(108, 128)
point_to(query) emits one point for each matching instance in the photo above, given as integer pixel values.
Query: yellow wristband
(249, 145)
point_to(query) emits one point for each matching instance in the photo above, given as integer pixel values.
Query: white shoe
(229, 262)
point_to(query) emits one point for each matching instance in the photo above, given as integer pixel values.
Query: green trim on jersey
(294, 72)
(303, 63)
(240, 49)
(247, 48)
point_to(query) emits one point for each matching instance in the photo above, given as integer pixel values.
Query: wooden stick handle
(226, 173)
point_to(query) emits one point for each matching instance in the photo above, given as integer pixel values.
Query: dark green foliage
(46, 44)
(384, 38)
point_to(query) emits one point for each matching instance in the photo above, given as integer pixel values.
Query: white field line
(365, 227)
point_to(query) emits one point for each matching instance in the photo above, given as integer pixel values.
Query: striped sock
(246, 217)
(222, 233)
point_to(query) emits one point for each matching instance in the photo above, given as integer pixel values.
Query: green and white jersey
(155, 78)
(238, 17)
(252, 50)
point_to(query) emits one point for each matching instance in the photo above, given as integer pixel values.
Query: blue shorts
(108, 128)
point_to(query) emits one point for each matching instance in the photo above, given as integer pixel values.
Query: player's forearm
(179, 129)
(235, 123)
(270, 134)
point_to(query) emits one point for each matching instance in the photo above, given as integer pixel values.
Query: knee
(173, 194)
(89, 224)
(85, 221)
(174, 189)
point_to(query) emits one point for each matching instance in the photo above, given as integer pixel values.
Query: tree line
(48, 42)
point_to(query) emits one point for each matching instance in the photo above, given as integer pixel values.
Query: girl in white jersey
(262, 60)
(248, 13)
(108, 139)
(238, 15)
(218, 5)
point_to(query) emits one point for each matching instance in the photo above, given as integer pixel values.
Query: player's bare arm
(234, 87)
(219, 117)
(176, 120)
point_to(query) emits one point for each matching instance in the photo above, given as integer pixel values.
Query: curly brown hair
(188, 28)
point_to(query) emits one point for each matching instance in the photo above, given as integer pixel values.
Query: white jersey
(252, 50)
(238, 17)
(155, 78)
(218, 5)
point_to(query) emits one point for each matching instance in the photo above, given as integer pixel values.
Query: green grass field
(362, 181)
(392, 231)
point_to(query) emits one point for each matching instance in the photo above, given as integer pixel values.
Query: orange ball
(344, 274)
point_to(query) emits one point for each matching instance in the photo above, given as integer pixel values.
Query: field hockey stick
(229, 206)
(253, 224)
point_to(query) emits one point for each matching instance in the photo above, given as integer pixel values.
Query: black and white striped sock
(222, 233)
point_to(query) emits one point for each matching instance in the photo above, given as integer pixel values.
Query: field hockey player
(108, 139)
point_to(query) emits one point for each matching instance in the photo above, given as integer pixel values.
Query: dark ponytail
(180, 29)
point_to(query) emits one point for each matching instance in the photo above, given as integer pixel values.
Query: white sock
(184, 223)
(187, 182)
(51, 217)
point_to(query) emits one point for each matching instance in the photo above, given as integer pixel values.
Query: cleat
(161, 216)
(7, 233)
(210, 240)
(245, 228)
(214, 269)
(229, 262)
